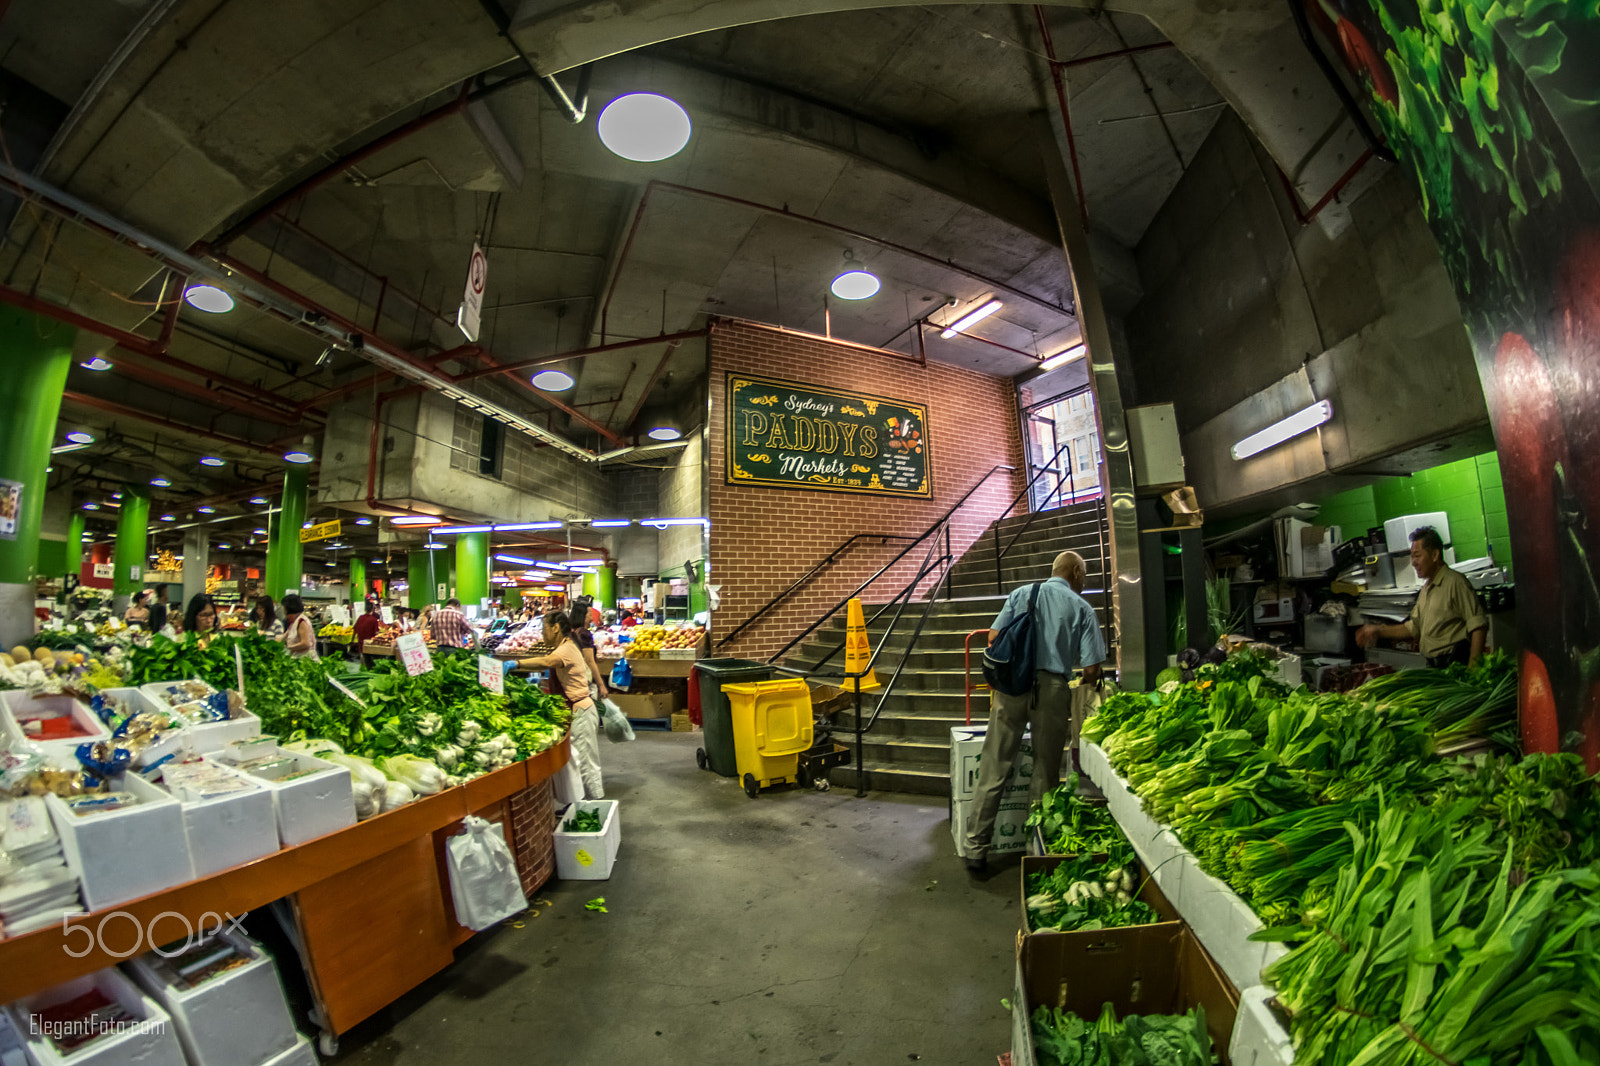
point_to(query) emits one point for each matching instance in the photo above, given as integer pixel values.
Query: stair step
(888, 777)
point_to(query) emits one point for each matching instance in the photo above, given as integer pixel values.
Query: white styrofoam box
(1397, 531)
(312, 806)
(966, 751)
(208, 736)
(238, 1017)
(124, 854)
(1258, 1037)
(171, 741)
(1092, 757)
(231, 829)
(19, 706)
(150, 1041)
(1010, 826)
(588, 856)
(1223, 923)
(302, 1054)
(13, 1051)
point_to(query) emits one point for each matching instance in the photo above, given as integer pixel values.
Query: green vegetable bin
(717, 713)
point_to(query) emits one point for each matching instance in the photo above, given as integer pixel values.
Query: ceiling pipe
(784, 212)
(1066, 112)
(572, 111)
(156, 420)
(1306, 217)
(649, 385)
(1351, 108)
(582, 353)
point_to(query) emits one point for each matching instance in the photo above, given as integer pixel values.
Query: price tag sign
(387, 614)
(414, 654)
(492, 673)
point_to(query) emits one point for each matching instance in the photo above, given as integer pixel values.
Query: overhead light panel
(552, 380)
(415, 520)
(555, 588)
(91, 506)
(519, 560)
(662, 522)
(297, 457)
(169, 518)
(161, 483)
(78, 436)
(97, 363)
(436, 547)
(664, 433)
(515, 526)
(644, 127)
(259, 500)
(363, 521)
(855, 285)
(609, 523)
(585, 562)
(212, 460)
(1302, 421)
(1064, 356)
(259, 532)
(208, 298)
(463, 529)
(62, 448)
(970, 318)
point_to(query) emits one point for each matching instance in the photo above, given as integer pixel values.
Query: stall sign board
(104, 571)
(10, 508)
(471, 309)
(783, 434)
(491, 673)
(320, 531)
(387, 614)
(414, 654)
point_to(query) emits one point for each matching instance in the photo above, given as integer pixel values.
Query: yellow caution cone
(857, 651)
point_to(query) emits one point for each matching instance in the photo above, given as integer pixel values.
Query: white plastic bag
(483, 875)
(618, 728)
(568, 784)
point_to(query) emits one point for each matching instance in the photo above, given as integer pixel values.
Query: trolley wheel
(701, 760)
(802, 776)
(328, 1043)
(751, 789)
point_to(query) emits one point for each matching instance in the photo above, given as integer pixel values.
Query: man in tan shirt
(1447, 622)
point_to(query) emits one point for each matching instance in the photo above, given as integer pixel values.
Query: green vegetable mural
(1495, 108)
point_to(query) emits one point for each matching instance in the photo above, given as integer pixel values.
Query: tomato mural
(1495, 109)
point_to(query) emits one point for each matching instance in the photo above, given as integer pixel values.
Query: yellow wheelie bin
(771, 727)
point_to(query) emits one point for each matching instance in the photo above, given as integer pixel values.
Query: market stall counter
(358, 957)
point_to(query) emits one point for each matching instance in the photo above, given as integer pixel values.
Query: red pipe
(1118, 54)
(1305, 218)
(1066, 112)
(201, 392)
(622, 256)
(580, 353)
(157, 420)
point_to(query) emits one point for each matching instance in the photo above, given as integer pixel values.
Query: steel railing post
(861, 774)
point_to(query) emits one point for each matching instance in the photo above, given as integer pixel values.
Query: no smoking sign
(472, 299)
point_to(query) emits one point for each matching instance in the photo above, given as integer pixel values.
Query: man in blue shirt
(1068, 636)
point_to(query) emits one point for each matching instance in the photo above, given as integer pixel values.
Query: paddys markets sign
(788, 435)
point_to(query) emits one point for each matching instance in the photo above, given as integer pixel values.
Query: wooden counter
(372, 902)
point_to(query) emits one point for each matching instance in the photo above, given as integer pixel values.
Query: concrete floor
(800, 927)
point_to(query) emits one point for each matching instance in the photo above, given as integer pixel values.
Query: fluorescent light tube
(1296, 424)
(463, 529)
(528, 525)
(971, 318)
(1064, 356)
(674, 522)
(513, 559)
(607, 523)
(586, 562)
(415, 520)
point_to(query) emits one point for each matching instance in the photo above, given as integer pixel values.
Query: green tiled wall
(1468, 491)
(52, 557)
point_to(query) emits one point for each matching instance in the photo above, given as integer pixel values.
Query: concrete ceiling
(896, 138)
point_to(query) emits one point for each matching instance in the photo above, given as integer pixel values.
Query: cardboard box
(1146, 891)
(1139, 969)
(152, 1041)
(237, 1017)
(124, 854)
(1185, 506)
(655, 705)
(588, 856)
(966, 751)
(310, 806)
(682, 723)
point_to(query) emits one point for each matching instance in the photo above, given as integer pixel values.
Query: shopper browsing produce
(572, 675)
(366, 626)
(201, 616)
(1447, 622)
(585, 639)
(1066, 637)
(264, 616)
(425, 622)
(137, 616)
(451, 628)
(158, 609)
(299, 636)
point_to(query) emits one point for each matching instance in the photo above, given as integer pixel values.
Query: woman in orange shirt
(573, 679)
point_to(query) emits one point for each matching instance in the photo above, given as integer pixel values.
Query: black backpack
(1008, 661)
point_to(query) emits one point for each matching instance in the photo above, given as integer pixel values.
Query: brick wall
(532, 814)
(764, 538)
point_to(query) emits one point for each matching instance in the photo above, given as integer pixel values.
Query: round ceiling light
(206, 510)
(297, 457)
(91, 506)
(663, 433)
(644, 127)
(208, 298)
(259, 500)
(363, 521)
(169, 518)
(161, 483)
(259, 532)
(78, 436)
(855, 285)
(97, 363)
(211, 460)
(552, 380)
(224, 546)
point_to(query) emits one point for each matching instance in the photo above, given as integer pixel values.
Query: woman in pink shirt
(572, 677)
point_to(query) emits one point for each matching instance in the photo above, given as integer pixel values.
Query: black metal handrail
(995, 529)
(886, 567)
(885, 538)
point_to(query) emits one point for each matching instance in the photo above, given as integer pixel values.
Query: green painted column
(74, 564)
(472, 568)
(419, 575)
(444, 573)
(130, 553)
(605, 588)
(358, 580)
(285, 558)
(36, 353)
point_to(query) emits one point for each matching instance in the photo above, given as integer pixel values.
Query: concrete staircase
(908, 750)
